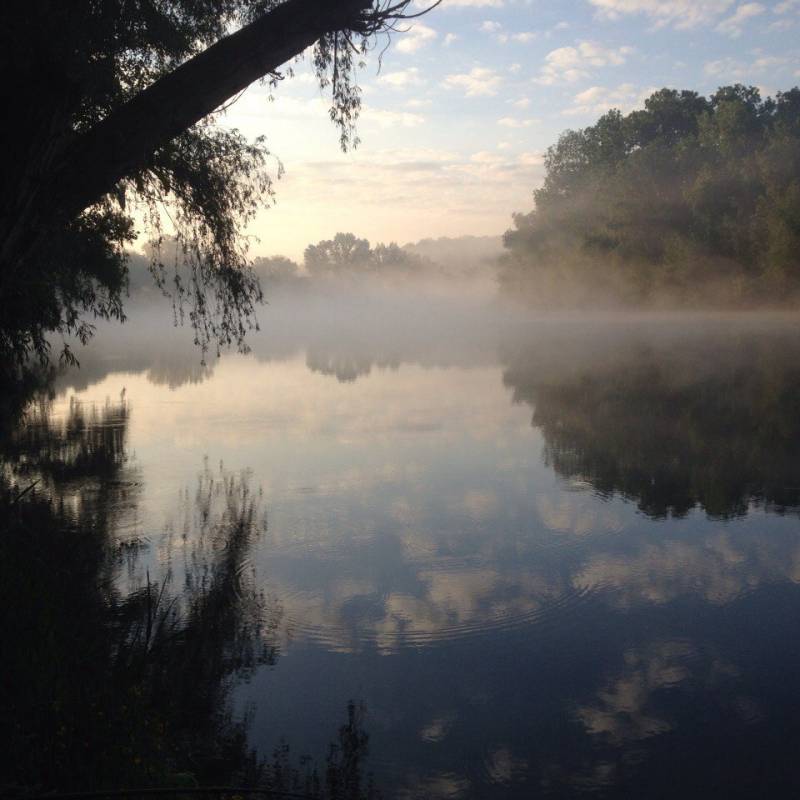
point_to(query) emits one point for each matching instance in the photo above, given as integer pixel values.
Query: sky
(457, 116)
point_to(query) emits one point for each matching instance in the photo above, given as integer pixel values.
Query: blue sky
(466, 102)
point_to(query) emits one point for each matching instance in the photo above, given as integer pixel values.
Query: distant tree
(344, 252)
(113, 108)
(277, 270)
(393, 259)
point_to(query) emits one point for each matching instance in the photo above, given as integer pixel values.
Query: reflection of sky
(502, 625)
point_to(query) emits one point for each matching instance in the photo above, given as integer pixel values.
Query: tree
(114, 103)
(344, 252)
(690, 200)
(347, 254)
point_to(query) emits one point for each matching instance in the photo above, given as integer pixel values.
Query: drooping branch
(123, 142)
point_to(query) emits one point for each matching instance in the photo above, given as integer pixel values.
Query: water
(548, 557)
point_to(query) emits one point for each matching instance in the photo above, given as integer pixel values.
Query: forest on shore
(689, 202)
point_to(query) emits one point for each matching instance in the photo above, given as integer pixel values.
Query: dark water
(543, 558)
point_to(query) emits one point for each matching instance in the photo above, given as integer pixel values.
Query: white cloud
(732, 26)
(535, 159)
(417, 37)
(514, 122)
(382, 118)
(402, 79)
(727, 69)
(571, 64)
(523, 102)
(478, 82)
(450, 38)
(485, 157)
(495, 30)
(597, 100)
(490, 26)
(471, 3)
(679, 13)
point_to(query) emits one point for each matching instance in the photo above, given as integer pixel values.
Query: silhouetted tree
(113, 106)
(347, 254)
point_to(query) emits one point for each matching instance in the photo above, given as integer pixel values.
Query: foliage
(71, 66)
(691, 200)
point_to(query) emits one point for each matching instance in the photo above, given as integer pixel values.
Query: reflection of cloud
(441, 785)
(436, 729)
(480, 505)
(621, 712)
(713, 568)
(576, 514)
(453, 601)
(502, 766)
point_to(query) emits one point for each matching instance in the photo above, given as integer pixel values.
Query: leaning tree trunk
(90, 166)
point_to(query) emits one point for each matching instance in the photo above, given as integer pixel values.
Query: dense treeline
(690, 201)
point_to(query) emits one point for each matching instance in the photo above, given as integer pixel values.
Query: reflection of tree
(715, 425)
(106, 689)
(346, 368)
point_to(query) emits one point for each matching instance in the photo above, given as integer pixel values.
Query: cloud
(732, 26)
(727, 69)
(681, 14)
(470, 3)
(402, 79)
(450, 38)
(416, 38)
(571, 64)
(495, 30)
(597, 100)
(513, 122)
(478, 82)
(421, 5)
(382, 118)
(534, 159)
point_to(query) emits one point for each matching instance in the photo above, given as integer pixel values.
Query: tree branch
(123, 142)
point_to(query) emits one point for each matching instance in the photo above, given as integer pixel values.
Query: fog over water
(550, 554)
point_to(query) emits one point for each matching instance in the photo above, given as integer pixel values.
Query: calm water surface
(549, 558)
